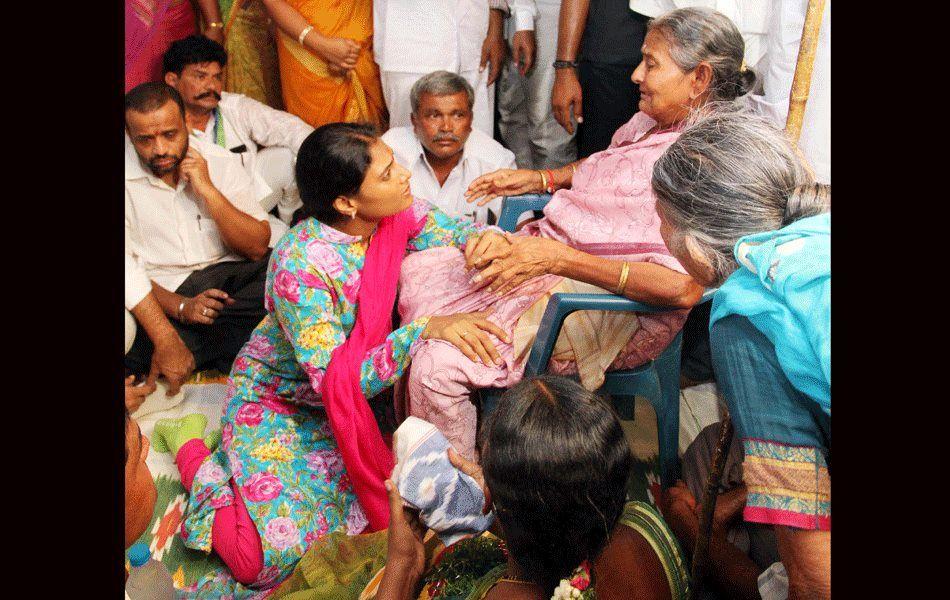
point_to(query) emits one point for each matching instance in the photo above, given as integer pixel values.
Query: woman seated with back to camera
(600, 232)
(741, 211)
(554, 471)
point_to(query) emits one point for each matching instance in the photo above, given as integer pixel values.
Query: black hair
(192, 50)
(332, 162)
(152, 95)
(556, 462)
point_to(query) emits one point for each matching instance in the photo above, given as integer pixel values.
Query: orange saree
(314, 94)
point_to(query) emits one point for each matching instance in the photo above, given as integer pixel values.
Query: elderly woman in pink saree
(152, 25)
(600, 233)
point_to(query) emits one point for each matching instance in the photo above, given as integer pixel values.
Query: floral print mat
(206, 395)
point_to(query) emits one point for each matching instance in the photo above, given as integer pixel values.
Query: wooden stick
(801, 82)
(710, 495)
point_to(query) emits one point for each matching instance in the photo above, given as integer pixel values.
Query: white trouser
(396, 88)
(526, 119)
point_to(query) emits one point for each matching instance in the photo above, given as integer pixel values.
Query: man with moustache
(195, 67)
(195, 234)
(442, 150)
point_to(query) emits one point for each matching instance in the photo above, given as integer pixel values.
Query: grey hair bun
(741, 84)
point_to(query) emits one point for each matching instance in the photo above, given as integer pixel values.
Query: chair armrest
(512, 207)
(562, 305)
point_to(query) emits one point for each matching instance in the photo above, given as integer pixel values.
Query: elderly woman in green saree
(557, 486)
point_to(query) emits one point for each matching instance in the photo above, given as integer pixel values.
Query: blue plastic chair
(657, 381)
(512, 207)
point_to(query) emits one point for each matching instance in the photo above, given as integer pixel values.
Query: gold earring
(353, 215)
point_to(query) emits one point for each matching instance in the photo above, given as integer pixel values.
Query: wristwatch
(565, 64)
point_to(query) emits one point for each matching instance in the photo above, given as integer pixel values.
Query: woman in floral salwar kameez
(301, 454)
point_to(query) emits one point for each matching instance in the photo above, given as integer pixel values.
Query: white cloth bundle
(449, 501)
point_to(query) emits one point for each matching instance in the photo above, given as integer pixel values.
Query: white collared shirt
(250, 123)
(168, 231)
(421, 36)
(481, 154)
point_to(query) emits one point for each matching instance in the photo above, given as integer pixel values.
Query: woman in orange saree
(327, 71)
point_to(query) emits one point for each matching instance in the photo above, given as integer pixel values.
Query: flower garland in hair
(578, 586)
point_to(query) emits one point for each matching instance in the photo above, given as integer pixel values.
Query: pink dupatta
(367, 458)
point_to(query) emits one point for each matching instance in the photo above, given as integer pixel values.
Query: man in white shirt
(415, 37)
(195, 67)
(442, 150)
(195, 234)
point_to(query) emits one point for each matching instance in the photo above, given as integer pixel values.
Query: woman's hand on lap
(528, 258)
(503, 182)
(469, 333)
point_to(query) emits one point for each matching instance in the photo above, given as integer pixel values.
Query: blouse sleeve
(435, 228)
(304, 304)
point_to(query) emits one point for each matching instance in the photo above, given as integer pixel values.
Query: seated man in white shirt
(415, 37)
(194, 231)
(195, 67)
(442, 151)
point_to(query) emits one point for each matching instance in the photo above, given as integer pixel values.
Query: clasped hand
(504, 265)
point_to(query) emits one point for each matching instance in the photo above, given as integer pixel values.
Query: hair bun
(745, 82)
(807, 201)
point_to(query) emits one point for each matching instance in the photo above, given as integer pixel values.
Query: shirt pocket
(209, 238)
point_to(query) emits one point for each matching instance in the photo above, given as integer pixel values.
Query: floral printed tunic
(276, 444)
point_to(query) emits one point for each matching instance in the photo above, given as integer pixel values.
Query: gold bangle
(624, 273)
(573, 170)
(216, 24)
(544, 181)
